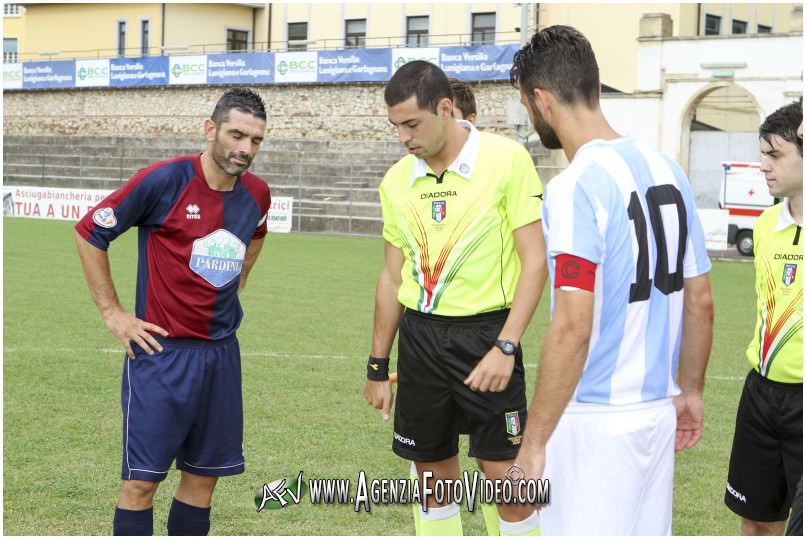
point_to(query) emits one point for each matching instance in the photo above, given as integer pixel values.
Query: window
(738, 27)
(297, 31)
(417, 31)
(11, 10)
(237, 40)
(483, 29)
(144, 36)
(712, 25)
(762, 29)
(121, 39)
(355, 33)
(9, 50)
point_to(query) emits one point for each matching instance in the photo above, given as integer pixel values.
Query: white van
(745, 195)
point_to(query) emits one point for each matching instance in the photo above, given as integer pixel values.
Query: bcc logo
(284, 67)
(183, 69)
(87, 72)
(402, 61)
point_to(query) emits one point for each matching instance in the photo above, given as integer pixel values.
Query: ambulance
(745, 195)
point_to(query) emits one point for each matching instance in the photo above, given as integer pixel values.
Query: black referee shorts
(435, 355)
(766, 462)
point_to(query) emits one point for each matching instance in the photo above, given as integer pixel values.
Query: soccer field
(305, 338)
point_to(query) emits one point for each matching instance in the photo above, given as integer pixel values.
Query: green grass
(304, 340)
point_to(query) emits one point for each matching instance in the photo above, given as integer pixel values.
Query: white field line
(284, 355)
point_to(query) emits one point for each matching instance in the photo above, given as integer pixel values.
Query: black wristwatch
(507, 347)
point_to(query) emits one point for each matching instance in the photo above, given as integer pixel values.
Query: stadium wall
(295, 112)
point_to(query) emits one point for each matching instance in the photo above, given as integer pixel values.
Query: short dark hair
(463, 96)
(422, 79)
(784, 122)
(558, 59)
(242, 99)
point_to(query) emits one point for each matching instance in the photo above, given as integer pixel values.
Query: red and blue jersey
(192, 244)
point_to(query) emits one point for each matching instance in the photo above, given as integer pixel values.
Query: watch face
(508, 347)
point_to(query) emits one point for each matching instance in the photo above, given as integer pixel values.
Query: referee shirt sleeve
(524, 192)
(391, 233)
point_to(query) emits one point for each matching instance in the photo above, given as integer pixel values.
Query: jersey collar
(464, 162)
(785, 219)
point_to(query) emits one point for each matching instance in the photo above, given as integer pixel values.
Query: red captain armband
(570, 270)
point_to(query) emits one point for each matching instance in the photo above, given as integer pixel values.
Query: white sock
(526, 525)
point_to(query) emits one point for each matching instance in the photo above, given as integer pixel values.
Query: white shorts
(611, 470)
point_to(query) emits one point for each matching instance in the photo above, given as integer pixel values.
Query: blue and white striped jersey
(630, 210)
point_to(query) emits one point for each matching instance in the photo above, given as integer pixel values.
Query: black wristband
(378, 369)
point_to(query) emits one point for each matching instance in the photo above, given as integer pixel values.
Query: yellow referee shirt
(777, 348)
(456, 231)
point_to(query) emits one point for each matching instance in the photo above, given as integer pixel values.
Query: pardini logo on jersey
(92, 72)
(188, 69)
(305, 66)
(218, 257)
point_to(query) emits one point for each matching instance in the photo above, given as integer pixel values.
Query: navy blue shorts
(183, 403)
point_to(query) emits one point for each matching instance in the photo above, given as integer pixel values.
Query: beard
(222, 159)
(548, 136)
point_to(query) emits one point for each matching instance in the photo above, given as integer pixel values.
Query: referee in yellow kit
(463, 272)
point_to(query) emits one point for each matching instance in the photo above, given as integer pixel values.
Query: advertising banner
(355, 65)
(295, 67)
(146, 71)
(715, 226)
(484, 62)
(241, 68)
(38, 75)
(280, 214)
(92, 73)
(12, 76)
(50, 202)
(187, 69)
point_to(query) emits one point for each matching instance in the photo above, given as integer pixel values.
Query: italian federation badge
(789, 274)
(438, 210)
(513, 423)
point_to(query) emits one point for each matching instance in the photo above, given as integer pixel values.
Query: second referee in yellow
(464, 269)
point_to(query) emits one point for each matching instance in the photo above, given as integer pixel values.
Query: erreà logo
(193, 211)
(218, 257)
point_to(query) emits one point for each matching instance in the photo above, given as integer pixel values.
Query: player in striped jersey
(202, 223)
(622, 366)
(766, 461)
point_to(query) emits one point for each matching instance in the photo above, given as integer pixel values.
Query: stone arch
(693, 103)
